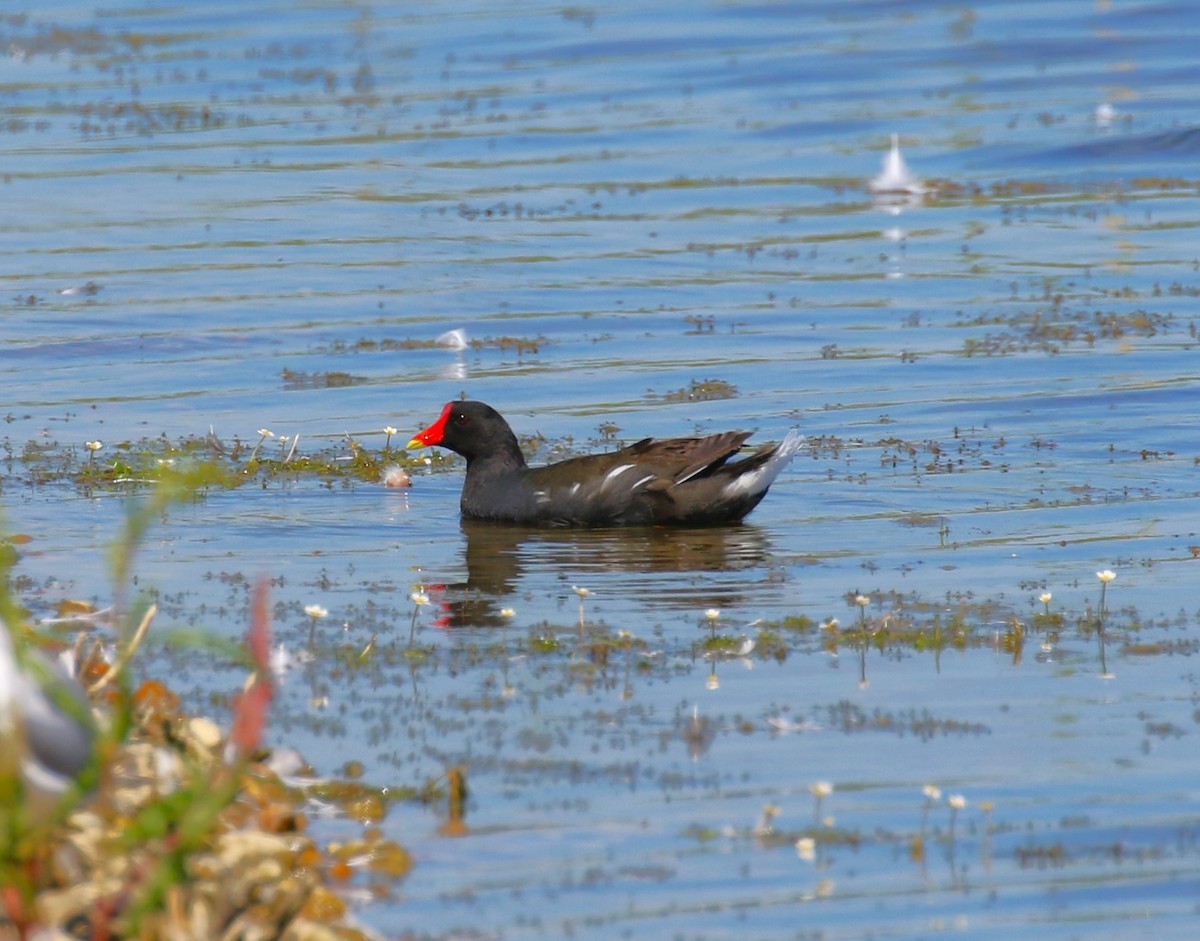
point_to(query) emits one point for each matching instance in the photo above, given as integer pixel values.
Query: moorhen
(676, 481)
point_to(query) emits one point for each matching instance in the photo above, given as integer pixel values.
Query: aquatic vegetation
(454, 340)
(210, 463)
(1057, 328)
(698, 390)
(331, 379)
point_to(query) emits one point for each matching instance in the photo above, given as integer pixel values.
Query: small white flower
(765, 824)
(712, 614)
(508, 612)
(1045, 597)
(315, 611)
(806, 848)
(280, 660)
(93, 445)
(862, 600)
(389, 431)
(581, 592)
(957, 801)
(932, 792)
(713, 681)
(1106, 576)
(821, 789)
(419, 597)
(266, 432)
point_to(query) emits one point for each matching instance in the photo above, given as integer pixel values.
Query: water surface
(223, 219)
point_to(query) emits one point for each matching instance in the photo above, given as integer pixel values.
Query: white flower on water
(766, 820)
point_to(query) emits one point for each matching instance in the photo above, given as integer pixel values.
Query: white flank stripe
(613, 474)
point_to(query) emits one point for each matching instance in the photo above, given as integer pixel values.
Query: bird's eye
(461, 419)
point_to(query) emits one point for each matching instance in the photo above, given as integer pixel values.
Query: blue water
(997, 380)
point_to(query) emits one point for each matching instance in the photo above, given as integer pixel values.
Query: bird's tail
(757, 481)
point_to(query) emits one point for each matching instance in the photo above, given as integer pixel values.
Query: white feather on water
(895, 176)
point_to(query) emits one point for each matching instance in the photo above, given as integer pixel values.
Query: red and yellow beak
(431, 435)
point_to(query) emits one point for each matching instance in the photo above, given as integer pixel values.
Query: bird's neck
(504, 455)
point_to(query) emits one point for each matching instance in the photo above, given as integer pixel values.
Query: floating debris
(396, 476)
(90, 289)
(1104, 115)
(784, 726)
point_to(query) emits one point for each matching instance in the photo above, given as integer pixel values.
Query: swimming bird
(674, 481)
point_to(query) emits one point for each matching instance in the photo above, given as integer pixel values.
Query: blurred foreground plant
(162, 826)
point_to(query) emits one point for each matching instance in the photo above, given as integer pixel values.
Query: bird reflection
(497, 556)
